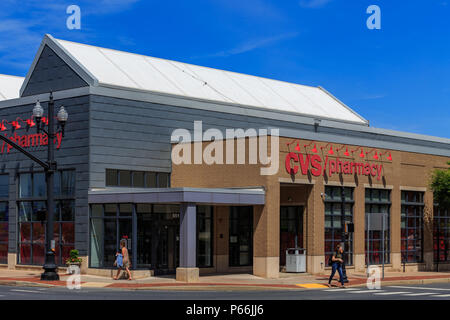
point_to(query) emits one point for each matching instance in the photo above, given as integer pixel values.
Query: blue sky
(397, 77)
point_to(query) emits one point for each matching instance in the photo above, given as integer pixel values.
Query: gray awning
(226, 196)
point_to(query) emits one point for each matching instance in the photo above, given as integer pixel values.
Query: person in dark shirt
(337, 262)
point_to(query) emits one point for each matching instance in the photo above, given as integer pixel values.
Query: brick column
(266, 234)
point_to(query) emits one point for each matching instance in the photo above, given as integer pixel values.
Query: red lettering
(366, 169)
(291, 156)
(304, 165)
(34, 140)
(372, 168)
(315, 163)
(332, 165)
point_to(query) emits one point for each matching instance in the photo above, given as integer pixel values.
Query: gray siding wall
(73, 154)
(129, 134)
(51, 73)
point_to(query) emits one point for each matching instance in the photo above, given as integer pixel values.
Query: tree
(440, 185)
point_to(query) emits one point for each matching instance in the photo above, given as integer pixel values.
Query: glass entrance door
(158, 238)
(291, 230)
(166, 247)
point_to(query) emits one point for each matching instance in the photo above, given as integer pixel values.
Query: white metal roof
(10, 86)
(111, 68)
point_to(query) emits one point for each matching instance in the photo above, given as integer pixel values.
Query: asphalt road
(403, 292)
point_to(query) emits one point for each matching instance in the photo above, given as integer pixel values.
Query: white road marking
(367, 291)
(442, 295)
(29, 291)
(391, 293)
(419, 294)
(419, 288)
(338, 289)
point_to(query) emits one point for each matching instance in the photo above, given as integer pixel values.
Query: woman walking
(125, 260)
(337, 262)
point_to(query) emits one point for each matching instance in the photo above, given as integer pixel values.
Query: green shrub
(440, 184)
(74, 258)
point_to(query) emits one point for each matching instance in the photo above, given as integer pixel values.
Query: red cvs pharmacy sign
(296, 162)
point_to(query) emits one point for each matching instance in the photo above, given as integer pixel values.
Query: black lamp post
(50, 265)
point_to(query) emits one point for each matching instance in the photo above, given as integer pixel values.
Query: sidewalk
(220, 282)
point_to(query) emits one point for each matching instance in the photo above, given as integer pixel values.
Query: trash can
(296, 260)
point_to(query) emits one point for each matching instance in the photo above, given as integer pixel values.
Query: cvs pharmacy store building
(327, 172)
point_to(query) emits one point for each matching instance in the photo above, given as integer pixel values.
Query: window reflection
(32, 216)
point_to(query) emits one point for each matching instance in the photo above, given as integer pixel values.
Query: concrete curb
(246, 287)
(212, 287)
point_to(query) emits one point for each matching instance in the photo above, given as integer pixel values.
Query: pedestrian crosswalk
(366, 291)
(394, 291)
(391, 293)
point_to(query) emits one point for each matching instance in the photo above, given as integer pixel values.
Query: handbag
(119, 260)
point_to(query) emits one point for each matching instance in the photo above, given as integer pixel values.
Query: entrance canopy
(219, 196)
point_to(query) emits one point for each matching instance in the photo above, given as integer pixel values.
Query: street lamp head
(62, 115)
(38, 111)
(62, 118)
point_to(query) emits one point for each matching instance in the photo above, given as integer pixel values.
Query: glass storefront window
(136, 179)
(67, 183)
(25, 209)
(109, 223)
(110, 210)
(150, 180)
(31, 224)
(441, 234)
(377, 203)
(338, 211)
(241, 236)
(125, 209)
(348, 193)
(25, 185)
(4, 186)
(163, 180)
(412, 226)
(291, 230)
(204, 236)
(96, 240)
(67, 208)
(110, 245)
(4, 218)
(39, 185)
(112, 178)
(124, 178)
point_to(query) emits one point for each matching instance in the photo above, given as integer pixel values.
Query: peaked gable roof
(117, 69)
